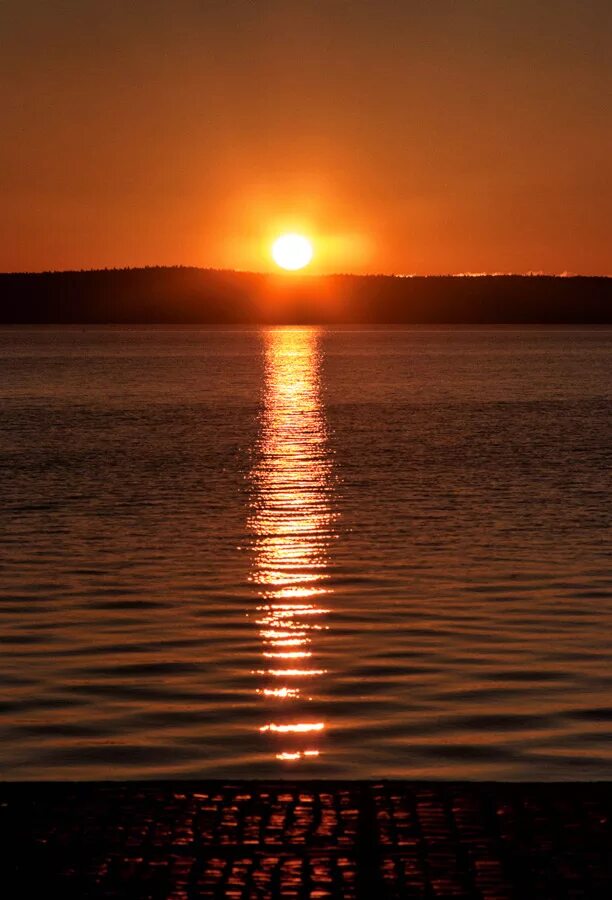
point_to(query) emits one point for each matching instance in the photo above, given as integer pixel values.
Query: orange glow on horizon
(123, 166)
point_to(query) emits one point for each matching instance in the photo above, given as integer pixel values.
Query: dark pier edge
(182, 840)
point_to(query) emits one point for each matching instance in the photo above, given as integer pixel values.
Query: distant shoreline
(192, 296)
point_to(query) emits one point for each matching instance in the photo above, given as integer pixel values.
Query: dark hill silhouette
(182, 295)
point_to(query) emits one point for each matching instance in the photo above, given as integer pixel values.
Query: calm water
(316, 552)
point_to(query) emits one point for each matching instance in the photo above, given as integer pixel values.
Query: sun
(292, 251)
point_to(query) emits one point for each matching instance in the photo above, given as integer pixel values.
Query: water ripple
(332, 553)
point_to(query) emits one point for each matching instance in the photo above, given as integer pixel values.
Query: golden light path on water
(292, 521)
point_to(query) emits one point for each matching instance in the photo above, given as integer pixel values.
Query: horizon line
(301, 274)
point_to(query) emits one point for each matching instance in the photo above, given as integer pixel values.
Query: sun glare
(292, 251)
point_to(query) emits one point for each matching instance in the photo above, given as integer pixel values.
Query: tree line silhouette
(185, 295)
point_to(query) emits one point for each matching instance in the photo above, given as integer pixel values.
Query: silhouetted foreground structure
(189, 296)
(365, 841)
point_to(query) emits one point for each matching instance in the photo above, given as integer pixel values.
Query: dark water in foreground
(305, 552)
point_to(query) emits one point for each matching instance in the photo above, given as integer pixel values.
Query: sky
(402, 136)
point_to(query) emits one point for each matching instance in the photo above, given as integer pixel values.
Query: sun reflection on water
(291, 520)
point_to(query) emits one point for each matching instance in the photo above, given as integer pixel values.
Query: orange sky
(427, 136)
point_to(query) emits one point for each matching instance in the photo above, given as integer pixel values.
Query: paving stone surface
(306, 840)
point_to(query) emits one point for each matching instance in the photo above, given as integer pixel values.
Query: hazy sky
(403, 135)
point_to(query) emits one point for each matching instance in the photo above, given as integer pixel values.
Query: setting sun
(292, 251)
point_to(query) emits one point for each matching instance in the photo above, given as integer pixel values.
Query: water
(305, 552)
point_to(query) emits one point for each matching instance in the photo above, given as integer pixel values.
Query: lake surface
(305, 552)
